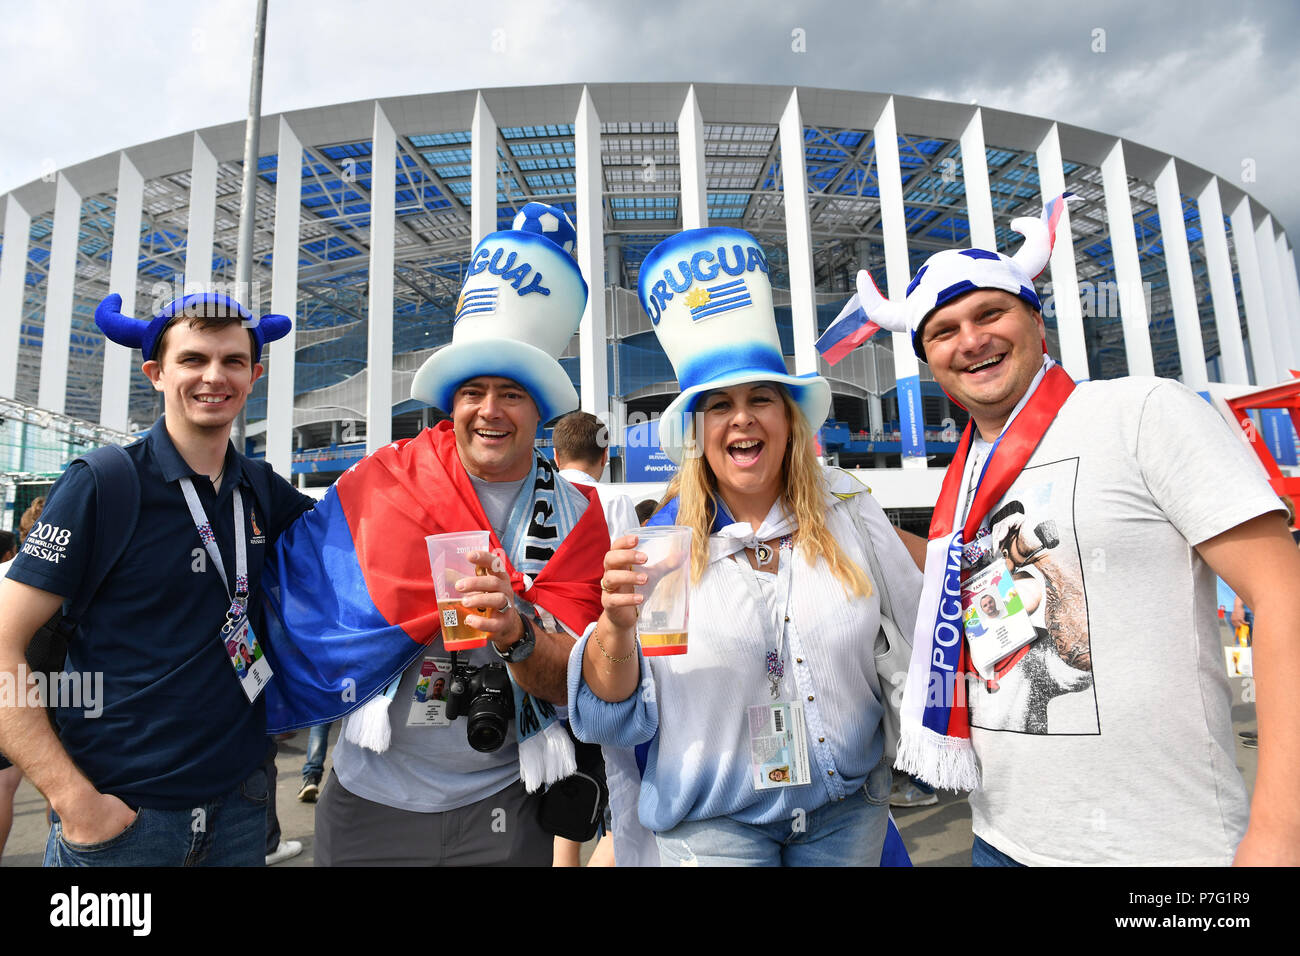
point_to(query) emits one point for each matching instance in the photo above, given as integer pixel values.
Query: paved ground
(936, 836)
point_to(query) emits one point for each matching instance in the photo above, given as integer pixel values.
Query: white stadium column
(690, 152)
(383, 233)
(1290, 282)
(1252, 293)
(1182, 288)
(284, 300)
(1278, 324)
(593, 363)
(798, 238)
(893, 224)
(203, 217)
(13, 287)
(1128, 269)
(1218, 267)
(1065, 279)
(59, 288)
(483, 173)
(975, 177)
(115, 398)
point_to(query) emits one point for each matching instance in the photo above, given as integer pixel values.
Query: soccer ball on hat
(548, 221)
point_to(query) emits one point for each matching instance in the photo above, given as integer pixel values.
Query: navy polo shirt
(176, 728)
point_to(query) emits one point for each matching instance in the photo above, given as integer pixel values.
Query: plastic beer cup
(449, 562)
(662, 620)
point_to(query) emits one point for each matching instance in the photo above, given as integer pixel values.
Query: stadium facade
(367, 213)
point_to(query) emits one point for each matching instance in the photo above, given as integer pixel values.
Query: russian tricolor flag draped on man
(349, 590)
(350, 597)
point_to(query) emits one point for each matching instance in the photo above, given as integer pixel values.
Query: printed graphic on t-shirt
(1047, 686)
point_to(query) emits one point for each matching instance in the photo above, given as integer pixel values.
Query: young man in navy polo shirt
(165, 768)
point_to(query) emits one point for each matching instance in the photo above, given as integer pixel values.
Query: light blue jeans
(227, 831)
(317, 742)
(849, 832)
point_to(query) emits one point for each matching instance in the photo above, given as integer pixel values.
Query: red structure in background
(1286, 395)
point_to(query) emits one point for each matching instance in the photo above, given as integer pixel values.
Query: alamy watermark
(247, 294)
(1099, 300)
(37, 689)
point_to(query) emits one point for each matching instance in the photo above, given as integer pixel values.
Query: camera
(485, 697)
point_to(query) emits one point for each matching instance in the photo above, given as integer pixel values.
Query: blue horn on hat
(122, 329)
(139, 334)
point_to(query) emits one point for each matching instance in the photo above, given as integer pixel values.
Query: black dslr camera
(484, 696)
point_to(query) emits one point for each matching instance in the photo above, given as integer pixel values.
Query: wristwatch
(521, 649)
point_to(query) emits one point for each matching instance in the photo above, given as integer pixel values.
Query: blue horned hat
(142, 335)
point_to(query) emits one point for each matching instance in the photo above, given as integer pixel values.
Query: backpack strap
(117, 508)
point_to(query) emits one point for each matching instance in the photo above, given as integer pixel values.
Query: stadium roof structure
(886, 181)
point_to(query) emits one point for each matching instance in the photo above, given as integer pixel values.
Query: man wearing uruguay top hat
(410, 785)
(1094, 725)
(168, 773)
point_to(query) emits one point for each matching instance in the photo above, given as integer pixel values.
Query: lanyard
(973, 491)
(780, 610)
(239, 599)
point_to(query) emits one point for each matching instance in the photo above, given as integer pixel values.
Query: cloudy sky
(1212, 84)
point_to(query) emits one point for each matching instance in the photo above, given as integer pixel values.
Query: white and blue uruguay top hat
(708, 295)
(522, 301)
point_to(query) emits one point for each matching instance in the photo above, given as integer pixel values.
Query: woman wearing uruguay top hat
(784, 609)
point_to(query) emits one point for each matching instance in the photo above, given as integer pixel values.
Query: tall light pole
(248, 196)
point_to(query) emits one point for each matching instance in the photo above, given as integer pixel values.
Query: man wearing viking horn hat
(1093, 726)
(167, 771)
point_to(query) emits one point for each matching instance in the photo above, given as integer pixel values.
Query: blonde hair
(803, 491)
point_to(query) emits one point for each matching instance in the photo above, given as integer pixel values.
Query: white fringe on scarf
(546, 757)
(369, 727)
(939, 760)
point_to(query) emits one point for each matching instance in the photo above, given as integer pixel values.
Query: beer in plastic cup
(449, 562)
(661, 622)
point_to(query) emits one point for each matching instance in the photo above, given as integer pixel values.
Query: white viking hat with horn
(952, 273)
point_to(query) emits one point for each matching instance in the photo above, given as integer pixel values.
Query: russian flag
(349, 595)
(849, 330)
(1052, 213)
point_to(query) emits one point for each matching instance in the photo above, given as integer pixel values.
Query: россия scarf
(350, 596)
(935, 740)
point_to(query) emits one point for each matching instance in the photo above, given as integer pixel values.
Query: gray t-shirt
(1110, 741)
(433, 769)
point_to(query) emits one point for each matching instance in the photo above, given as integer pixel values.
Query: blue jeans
(985, 854)
(317, 743)
(227, 831)
(848, 832)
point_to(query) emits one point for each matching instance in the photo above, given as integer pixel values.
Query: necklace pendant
(763, 553)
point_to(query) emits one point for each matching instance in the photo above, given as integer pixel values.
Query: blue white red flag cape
(349, 593)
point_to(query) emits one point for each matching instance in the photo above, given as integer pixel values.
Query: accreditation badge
(428, 706)
(778, 746)
(996, 621)
(246, 655)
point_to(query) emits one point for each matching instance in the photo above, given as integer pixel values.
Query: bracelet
(613, 660)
